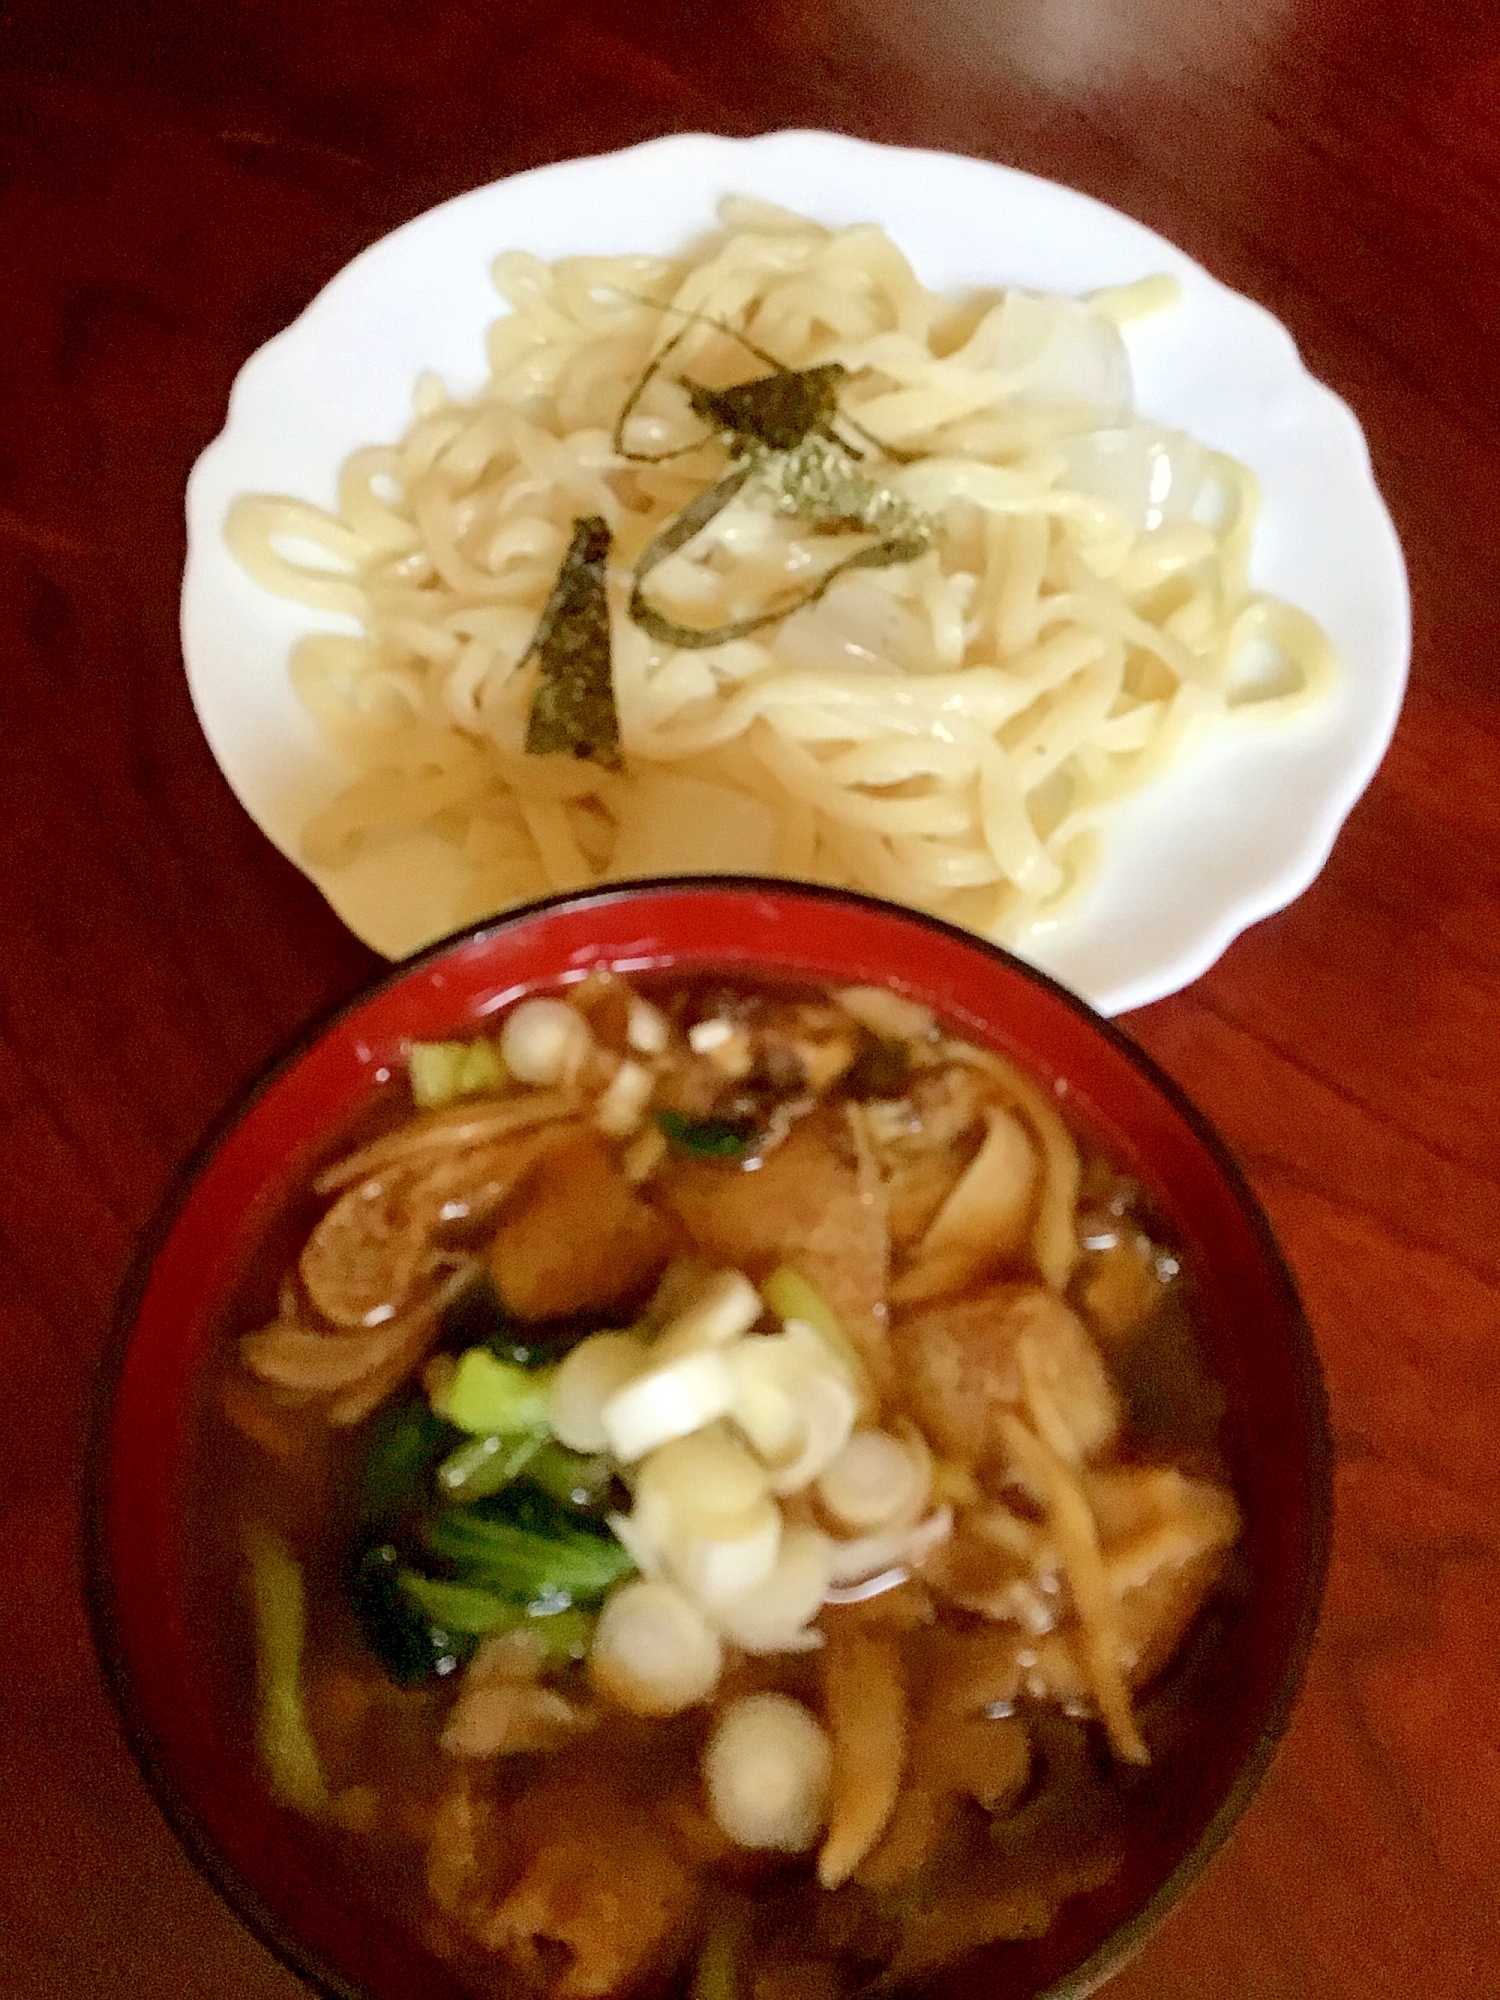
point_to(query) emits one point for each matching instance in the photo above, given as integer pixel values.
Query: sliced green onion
(665, 1403)
(790, 1296)
(442, 1071)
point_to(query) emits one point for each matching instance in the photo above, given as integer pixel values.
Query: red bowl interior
(265, 1862)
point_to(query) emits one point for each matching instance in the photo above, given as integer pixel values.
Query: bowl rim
(238, 1894)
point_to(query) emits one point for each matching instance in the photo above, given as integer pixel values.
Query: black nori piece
(573, 710)
(777, 411)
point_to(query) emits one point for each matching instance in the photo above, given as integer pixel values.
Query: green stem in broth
(287, 1749)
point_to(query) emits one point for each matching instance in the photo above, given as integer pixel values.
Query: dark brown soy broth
(1073, 1826)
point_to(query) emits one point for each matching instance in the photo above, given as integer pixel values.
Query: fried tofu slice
(581, 1239)
(961, 1361)
(588, 1917)
(803, 1207)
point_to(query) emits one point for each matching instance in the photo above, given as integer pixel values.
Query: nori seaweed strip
(720, 406)
(777, 411)
(681, 530)
(819, 482)
(627, 409)
(573, 709)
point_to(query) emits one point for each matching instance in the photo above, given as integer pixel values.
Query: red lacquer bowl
(270, 1867)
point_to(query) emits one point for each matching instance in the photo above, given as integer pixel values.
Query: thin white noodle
(1055, 653)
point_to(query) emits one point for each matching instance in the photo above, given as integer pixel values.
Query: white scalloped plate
(1236, 833)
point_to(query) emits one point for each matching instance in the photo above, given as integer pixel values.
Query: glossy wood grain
(175, 182)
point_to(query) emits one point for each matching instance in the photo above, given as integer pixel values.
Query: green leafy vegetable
(461, 1607)
(442, 1071)
(287, 1749)
(709, 1138)
(777, 410)
(451, 1547)
(410, 1645)
(489, 1397)
(477, 1613)
(574, 1479)
(573, 710)
(483, 1465)
(526, 1506)
(406, 1441)
(532, 1552)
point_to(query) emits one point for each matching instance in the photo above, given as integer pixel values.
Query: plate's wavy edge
(1260, 326)
(1279, 891)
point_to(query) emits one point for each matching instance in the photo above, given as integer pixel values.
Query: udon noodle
(953, 731)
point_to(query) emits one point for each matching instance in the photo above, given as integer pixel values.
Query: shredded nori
(777, 411)
(573, 710)
(780, 426)
(898, 548)
(817, 481)
(627, 408)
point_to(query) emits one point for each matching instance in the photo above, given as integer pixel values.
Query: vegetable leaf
(483, 1465)
(564, 1561)
(462, 1607)
(287, 1748)
(575, 1480)
(492, 1398)
(709, 1138)
(573, 709)
(409, 1644)
(406, 1442)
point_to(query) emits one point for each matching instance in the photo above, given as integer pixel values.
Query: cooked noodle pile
(952, 731)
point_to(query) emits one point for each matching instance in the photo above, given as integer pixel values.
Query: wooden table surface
(178, 181)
